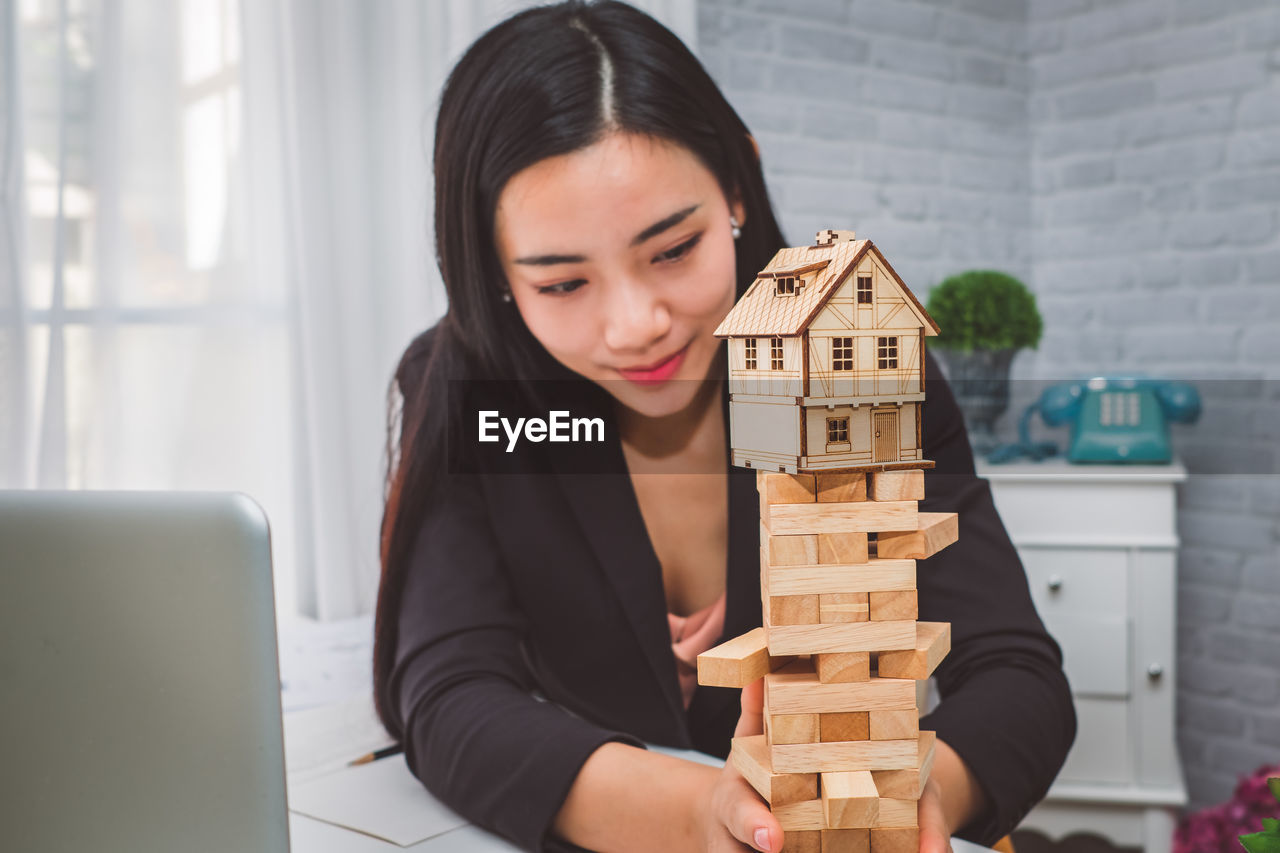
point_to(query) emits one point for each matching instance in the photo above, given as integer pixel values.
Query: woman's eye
(677, 252)
(563, 286)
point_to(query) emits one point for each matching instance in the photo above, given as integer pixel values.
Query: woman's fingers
(935, 835)
(753, 824)
(752, 720)
(743, 817)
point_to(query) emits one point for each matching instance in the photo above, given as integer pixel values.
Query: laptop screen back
(139, 684)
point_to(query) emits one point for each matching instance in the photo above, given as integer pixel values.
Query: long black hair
(545, 82)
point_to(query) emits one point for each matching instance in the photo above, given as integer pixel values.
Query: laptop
(139, 683)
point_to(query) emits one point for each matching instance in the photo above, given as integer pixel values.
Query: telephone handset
(1113, 419)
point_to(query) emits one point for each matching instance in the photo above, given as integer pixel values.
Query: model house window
(842, 353)
(864, 289)
(787, 286)
(837, 430)
(887, 353)
(751, 353)
(775, 354)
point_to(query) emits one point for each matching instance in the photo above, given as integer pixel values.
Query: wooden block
(843, 548)
(801, 550)
(736, 662)
(777, 488)
(800, 664)
(805, 842)
(936, 531)
(766, 714)
(895, 840)
(846, 725)
(846, 841)
(750, 755)
(894, 606)
(803, 693)
(908, 784)
(897, 813)
(872, 576)
(894, 725)
(843, 755)
(843, 666)
(844, 607)
(849, 799)
(839, 487)
(793, 728)
(897, 486)
(933, 642)
(846, 637)
(794, 610)
(800, 817)
(850, 517)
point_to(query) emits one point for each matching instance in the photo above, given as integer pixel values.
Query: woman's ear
(737, 209)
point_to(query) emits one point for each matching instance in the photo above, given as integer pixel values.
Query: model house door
(884, 435)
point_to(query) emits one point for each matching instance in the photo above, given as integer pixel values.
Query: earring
(734, 228)
(506, 296)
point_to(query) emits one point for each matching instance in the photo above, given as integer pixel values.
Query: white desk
(313, 836)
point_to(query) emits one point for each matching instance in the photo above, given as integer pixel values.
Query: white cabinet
(1099, 544)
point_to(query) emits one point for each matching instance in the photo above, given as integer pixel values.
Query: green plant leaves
(985, 309)
(1267, 841)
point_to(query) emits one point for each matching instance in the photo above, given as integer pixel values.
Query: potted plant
(986, 316)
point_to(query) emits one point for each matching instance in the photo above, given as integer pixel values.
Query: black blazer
(548, 584)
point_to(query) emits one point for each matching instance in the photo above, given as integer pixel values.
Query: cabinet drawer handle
(1154, 671)
(1055, 583)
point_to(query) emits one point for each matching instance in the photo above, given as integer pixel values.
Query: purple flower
(1218, 829)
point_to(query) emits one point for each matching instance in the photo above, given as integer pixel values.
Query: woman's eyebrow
(652, 231)
(663, 224)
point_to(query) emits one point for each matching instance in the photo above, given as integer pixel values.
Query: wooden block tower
(842, 761)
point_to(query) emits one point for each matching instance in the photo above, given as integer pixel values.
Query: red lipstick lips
(658, 372)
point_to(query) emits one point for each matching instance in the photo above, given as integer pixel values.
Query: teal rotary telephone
(1116, 419)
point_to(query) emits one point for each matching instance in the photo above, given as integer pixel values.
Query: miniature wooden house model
(826, 362)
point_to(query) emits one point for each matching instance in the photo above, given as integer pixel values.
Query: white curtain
(215, 224)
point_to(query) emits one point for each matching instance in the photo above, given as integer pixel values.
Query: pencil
(375, 755)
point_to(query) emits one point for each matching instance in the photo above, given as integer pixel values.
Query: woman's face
(621, 262)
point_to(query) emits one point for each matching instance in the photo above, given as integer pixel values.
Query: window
(786, 286)
(775, 354)
(751, 353)
(837, 430)
(864, 289)
(152, 249)
(887, 353)
(842, 353)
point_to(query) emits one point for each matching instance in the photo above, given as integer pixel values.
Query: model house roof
(818, 270)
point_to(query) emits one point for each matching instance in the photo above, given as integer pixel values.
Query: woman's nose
(636, 317)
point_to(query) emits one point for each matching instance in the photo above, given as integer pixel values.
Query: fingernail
(762, 838)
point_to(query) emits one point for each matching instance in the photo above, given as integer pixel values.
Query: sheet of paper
(318, 741)
(381, 799)
(324, 662)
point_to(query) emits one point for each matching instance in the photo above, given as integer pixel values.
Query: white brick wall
(905, 121)
(1124, 159)
(1164, 118)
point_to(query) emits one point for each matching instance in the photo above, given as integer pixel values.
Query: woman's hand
(935, 835)
(735, 817)
(732, 811)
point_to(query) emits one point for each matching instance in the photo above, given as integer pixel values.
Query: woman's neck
(694, 434)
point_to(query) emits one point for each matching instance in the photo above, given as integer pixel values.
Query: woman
(599, 208)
